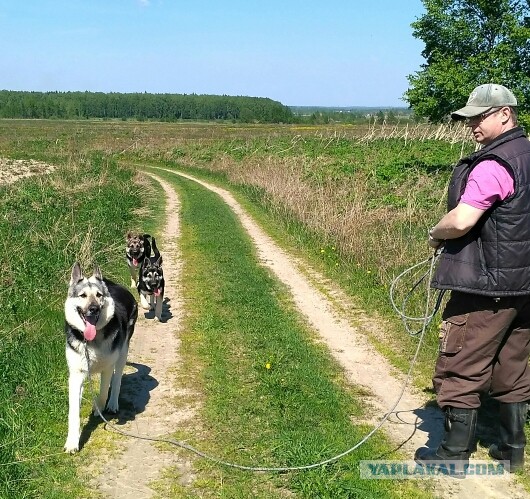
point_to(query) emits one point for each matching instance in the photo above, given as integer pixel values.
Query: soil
(12, 170)
(148, 387)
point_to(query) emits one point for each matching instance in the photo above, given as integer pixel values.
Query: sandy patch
(12, 170)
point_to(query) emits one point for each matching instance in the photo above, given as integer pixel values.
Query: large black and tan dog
(151, 282)
(138, 248)
(100, 317)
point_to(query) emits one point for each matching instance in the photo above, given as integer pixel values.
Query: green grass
(271, 395)
(79, 213)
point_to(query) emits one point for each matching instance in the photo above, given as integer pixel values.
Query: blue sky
(298, 52)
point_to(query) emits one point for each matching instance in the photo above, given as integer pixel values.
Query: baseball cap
(484, 98)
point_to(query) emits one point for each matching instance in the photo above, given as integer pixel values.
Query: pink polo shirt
(488, 182)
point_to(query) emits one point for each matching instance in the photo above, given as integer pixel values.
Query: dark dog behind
(99, 321)
(151, 282)
(138, 248)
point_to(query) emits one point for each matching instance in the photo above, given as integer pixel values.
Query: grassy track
(360, 283)
(271, 395)
(240, 322)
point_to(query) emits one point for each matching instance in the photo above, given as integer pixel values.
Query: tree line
(141, 106)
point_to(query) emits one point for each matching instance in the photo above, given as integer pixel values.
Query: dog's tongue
(90, 327)
(135, 261)
(90, 331)
(156, 292)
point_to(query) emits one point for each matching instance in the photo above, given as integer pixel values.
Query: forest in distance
(178, 107)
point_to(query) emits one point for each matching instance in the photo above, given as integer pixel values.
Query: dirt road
(154, 350)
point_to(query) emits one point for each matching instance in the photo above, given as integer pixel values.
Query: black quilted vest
(493, 258)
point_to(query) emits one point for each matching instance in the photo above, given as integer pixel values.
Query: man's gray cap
(484, 98)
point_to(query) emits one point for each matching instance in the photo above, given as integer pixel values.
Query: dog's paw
(112, 408)
(97, 412)
(71, 447)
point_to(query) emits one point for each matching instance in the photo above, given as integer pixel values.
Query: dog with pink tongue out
(138, 248)
(100, 316)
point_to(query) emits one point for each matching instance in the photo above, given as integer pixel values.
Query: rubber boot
(512, 438)
(455, 449)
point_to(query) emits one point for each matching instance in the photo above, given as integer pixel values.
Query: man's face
(487, 126)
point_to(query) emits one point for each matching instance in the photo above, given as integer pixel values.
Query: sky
(298, 52)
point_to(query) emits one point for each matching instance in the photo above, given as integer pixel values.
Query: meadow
(355, 201)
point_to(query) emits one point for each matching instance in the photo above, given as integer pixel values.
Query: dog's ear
(77, 274)
(129, 235)
(97, 273)
(159, 261)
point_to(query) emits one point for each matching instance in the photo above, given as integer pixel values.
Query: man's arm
(456, 222)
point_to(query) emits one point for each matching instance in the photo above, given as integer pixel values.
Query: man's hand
(433, 242)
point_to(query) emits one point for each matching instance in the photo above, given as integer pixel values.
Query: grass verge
(78, 213)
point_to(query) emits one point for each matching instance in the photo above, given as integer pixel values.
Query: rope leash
(427, 318)
(421, 333)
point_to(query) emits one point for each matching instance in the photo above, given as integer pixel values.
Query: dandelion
(268, 365)
(322, 250)
(368, 271)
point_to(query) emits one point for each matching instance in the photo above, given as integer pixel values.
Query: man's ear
(506, 115)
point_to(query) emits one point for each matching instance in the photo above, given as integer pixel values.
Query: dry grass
(340, 209)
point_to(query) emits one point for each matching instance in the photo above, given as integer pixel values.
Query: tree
(469, 43)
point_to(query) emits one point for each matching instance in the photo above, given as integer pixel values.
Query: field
(353, 203)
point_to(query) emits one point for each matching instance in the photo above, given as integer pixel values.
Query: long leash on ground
(426, 319)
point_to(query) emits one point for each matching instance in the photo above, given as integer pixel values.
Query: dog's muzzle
(90, 319)
(91, 316)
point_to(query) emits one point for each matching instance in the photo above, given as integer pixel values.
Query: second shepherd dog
(151, 282)
(99, 321)
(137, 249)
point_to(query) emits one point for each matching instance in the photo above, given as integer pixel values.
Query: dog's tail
(156, 252)
(147, 245)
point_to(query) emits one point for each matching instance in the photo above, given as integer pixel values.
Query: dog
(138, 247)
(151, 282)
(99, 321)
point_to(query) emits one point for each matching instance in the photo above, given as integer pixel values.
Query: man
(485, 262)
